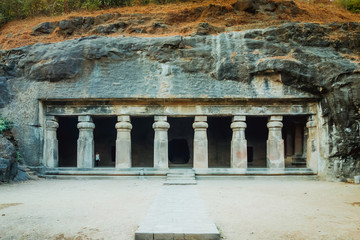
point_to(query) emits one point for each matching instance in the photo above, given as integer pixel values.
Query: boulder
(7, 149)
(69, 26)
(45, 28)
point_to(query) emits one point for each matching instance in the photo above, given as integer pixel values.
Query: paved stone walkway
(177, 213)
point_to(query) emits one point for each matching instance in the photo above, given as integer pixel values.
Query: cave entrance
(142, 142)
(104, 140)
(67, 135)
(180, 148)
(295, 140)
(219, 141)
(256, 135)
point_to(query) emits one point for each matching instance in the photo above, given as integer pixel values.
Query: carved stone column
(312, 154)
(200, 142)
(275, 144)
(51, 150)
(238, 143)
(161, 156)
(85, 142)
(123, 142)
(298, 139)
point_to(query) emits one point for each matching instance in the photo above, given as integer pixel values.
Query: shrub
(5, 125)
(351, 5)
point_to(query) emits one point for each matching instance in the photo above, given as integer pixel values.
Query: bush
(18, 9)
(5, 125)
(351, 5)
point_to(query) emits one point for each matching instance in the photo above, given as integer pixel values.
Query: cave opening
(219, 141)
(67, 135)
(181, 137)
(142, 142)
(256, 135)
(104, 140)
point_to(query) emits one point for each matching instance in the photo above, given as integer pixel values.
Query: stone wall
(313, 61)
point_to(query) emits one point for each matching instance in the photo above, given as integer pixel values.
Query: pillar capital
(200, 118)
(85, 125)
(161, 126)
(123, 126)
(51, 124)
(239, 118)
(238, 125)
(160, 118)
(274, 125)
(85, 118)
(275, 118)
(123, 118)
(200, 126)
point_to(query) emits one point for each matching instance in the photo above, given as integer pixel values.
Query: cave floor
(282, 207)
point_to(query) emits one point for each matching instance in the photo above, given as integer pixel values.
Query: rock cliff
(319, 59)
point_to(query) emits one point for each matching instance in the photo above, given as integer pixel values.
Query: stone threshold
(139, 172)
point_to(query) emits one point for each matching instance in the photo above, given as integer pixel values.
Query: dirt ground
(242, 208)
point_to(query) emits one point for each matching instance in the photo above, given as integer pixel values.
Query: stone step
(180, 182)
(180, 177)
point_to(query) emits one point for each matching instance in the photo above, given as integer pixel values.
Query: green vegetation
(18, 9)
(351, 5)
(5, 125)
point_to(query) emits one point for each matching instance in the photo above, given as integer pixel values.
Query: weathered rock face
(8, 165)
(319, 59)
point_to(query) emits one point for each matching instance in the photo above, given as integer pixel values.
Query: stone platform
(177, 213)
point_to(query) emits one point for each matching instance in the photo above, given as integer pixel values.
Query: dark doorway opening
(256, 135)
(181, 137)
(104, 139)
(179, 152)
(295, 140)
(67, 135)
(219, 141)
(142, 142)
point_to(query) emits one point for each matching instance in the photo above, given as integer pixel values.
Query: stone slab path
(177, 212)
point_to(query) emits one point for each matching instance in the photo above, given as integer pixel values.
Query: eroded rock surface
(320, 59)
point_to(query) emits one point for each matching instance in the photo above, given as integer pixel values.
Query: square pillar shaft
(275, 144)
(200, 142)
(85, 142)
(161, 156)
(51, 151)
(238, 143)
(312, 149)
(123, 142)
(298, 139)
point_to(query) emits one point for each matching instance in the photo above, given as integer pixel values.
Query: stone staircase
(180, 176)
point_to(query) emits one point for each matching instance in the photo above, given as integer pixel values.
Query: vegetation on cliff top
(155, 18)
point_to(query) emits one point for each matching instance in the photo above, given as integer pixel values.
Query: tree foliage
(351, 5)
(18, 9)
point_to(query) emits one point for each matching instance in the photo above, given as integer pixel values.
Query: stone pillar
(51, 153)
(298, 139)
(289, 146)
(85, 142)
(200, 142)
(275, 144)
(312, 152)
(123, 142)
(238, 143)
(161, 156)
